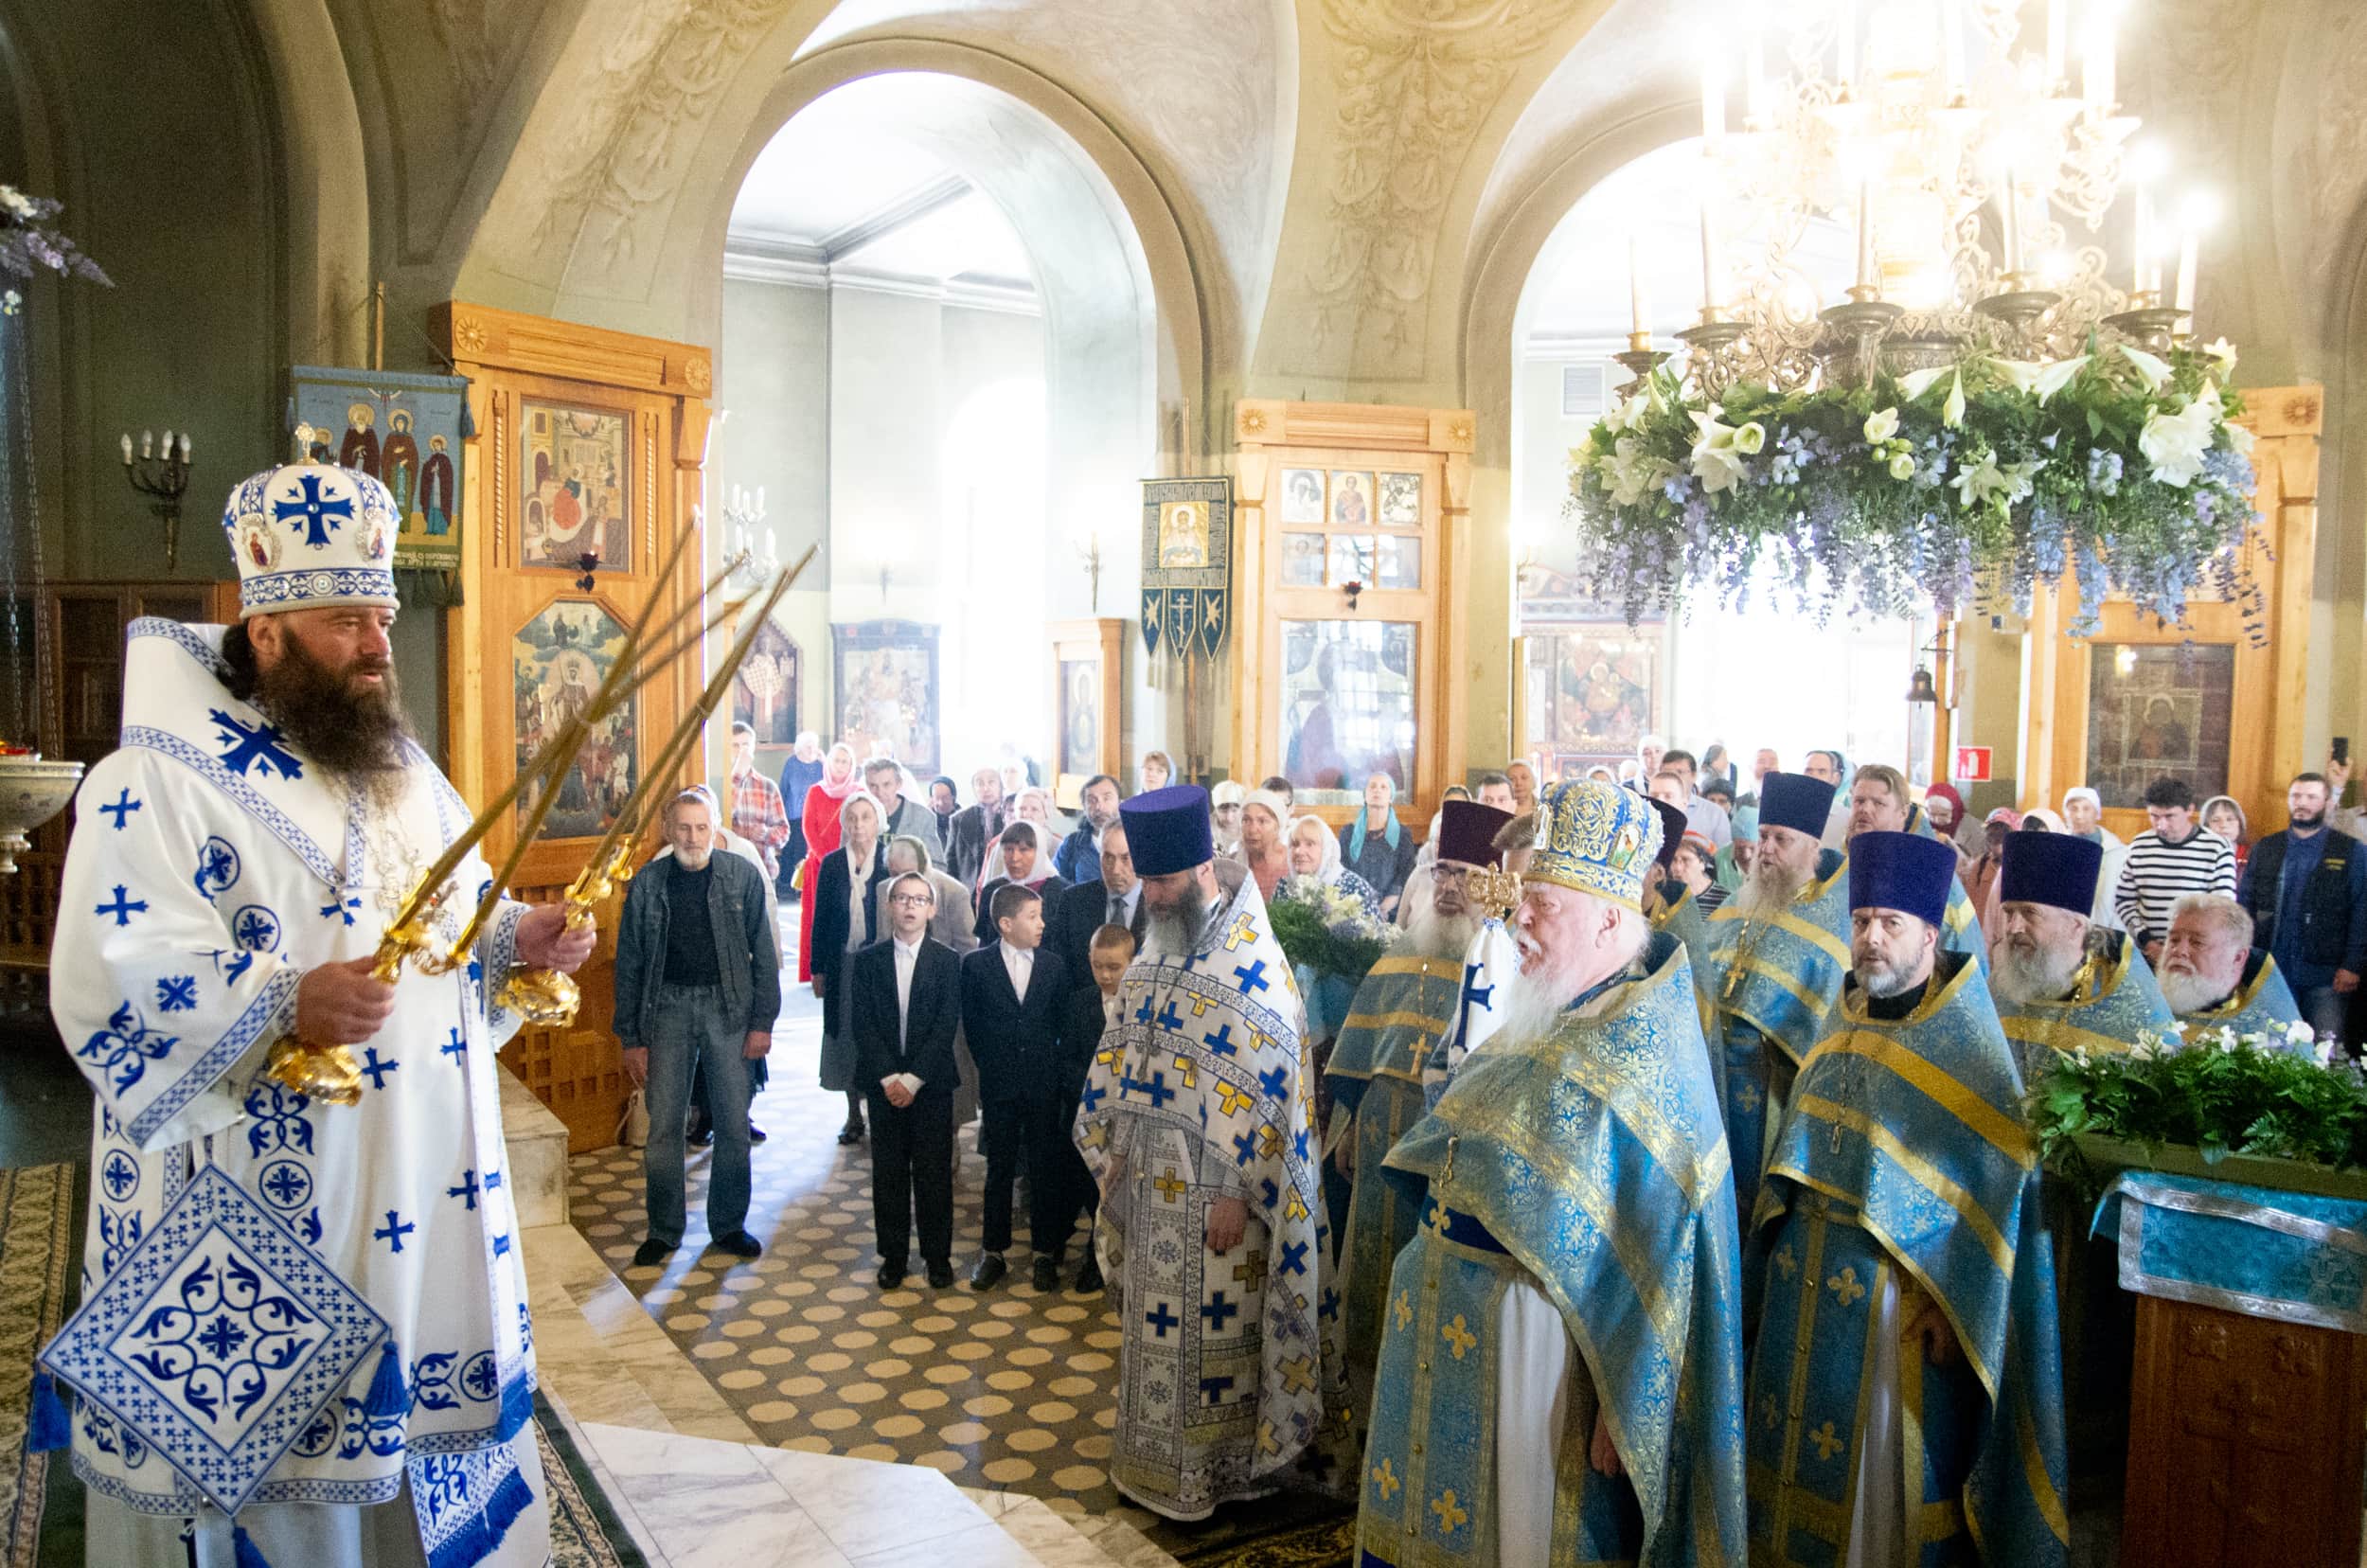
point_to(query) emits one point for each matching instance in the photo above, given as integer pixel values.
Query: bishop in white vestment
(322, 1355)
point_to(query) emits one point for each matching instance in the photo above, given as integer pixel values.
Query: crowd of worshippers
(1685, 1209)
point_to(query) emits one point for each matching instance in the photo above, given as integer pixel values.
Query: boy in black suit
(907, 1005)
(1090, 1009)
(1012, 993)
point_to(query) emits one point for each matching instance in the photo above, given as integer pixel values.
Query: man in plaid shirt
(757, 814)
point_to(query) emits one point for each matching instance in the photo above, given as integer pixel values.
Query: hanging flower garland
(2120, 465)
(28, 245)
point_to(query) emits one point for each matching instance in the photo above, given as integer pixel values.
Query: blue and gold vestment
(1590, 1165)
(2262, 1003)
(2113, 1000)
(1905, 1163)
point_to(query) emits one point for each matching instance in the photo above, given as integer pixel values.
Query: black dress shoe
(988, 1273)
(940, 1277)
(1089, 1277)
(1046, 1278)
(891, 1276)
(739, 1243)
(851, 1132)
(755, 1133)
(702, 1138)
(652, 1253)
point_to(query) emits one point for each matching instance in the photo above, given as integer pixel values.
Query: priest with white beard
(1403, 1009)
(304, 1337)
(2214, 979)
(1560, 1371)
(2062, 983)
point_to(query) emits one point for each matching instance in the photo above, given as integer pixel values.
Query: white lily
(1716, 462)
(1917, 383)
(2221, 354)
(1880, 426)
(2174, 443)
(1976, 483)
(1952, 411)
(2239, 439)
(2152, 368)
(1751, 438)
(2054, 377)
(1902, 466)
(2023, 373)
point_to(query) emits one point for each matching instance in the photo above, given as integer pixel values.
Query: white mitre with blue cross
(311, 534)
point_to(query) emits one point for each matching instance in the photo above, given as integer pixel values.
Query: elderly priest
(1560, 1373)
(2214, 979)
(1405, 1006)
(1195, 1123)
(1778, 950)
(2060, 982)
(1905, 1401)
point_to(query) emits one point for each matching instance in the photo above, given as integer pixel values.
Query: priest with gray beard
(2061, 982)
(1405, 1006)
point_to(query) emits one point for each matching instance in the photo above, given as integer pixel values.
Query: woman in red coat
(820, 811)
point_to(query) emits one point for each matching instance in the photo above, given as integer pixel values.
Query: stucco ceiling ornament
(1415, 81)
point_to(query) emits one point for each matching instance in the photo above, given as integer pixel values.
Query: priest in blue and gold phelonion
(1561, 1360)
(1905, 1397)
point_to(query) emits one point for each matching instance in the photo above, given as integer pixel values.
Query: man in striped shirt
(2177, 856)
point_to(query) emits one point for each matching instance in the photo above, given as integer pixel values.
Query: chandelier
(1973, 170)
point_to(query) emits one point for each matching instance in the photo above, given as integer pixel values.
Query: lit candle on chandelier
(2199, 212)
(2007, 199)
(1639, 310)
(1866, 234)
(1709, 260)
(127, 434)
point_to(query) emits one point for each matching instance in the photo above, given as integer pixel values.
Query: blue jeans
(2322, 1009)
(688, 1029)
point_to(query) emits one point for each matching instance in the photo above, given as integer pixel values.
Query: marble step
(700, 1503)
(1068, 1540)
(535, 1143)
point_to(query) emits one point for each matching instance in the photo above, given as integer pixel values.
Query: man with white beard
(1559, 1374)
(2214, 979)
(1905, 1389)
(2060, 982)
(1403, 1007)
(1777, 953)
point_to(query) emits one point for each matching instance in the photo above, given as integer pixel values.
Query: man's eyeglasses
(911, 900)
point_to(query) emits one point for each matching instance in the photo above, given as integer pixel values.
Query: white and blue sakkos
(353, 1316)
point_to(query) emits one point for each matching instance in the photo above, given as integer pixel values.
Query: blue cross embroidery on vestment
(481, 1378)
(247, 746)
(1156, 1090)
(1276, 1081)
(393, 1231)
(466, 1189)
(1219, 1312)
(1244, 1148)
(120, 1174)
(176, 993)
(122, 908)
(1267, 1194)
(336, 908)
(1221, 1042)
(1212, 1390)
(122, 807)
(1473, 991)
(1294, 1258)
(377, 1069)
(1252, 977)
(1331, 1308)
(1093, 1095)
(217, 867)
(314, 514)
(286, 1183)
(1163, 1320)
(254, 928)
(456, 1047)
(1167, 1019)
(1141, 1014)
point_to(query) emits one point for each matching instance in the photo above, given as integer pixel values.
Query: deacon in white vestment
(231, 870)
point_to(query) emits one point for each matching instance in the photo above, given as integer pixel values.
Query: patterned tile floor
(1008, 1389)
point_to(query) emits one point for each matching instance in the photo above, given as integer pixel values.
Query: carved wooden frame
(1101, 638)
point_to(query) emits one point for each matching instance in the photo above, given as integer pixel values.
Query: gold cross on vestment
(1170, 1185)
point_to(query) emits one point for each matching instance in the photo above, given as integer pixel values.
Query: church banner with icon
(403, 429)
(1187, 566)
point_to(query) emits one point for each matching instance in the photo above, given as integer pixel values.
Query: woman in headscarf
(1156, 769)
(1262, 847)
(1315, 853)
(1375, 843)
(843, 903)
(1944, 808)
(1980, 876)
(819, 815)
(2224, 817)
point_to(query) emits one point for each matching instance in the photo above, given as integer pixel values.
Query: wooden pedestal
(2246, 1442)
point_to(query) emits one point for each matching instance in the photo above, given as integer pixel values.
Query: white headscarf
(1327, 870)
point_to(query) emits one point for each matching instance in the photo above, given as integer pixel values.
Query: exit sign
(1973, 765)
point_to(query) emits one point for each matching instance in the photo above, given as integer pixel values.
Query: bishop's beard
(1535, 1004)
(326, 719)
(1175, 933)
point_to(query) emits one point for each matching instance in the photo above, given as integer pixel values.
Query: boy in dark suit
(1090, 1009)
(907, 1005)
(1012, 993)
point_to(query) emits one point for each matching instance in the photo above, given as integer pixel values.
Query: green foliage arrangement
(1328, 931)
(2221, 1095)
(1987, 476)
